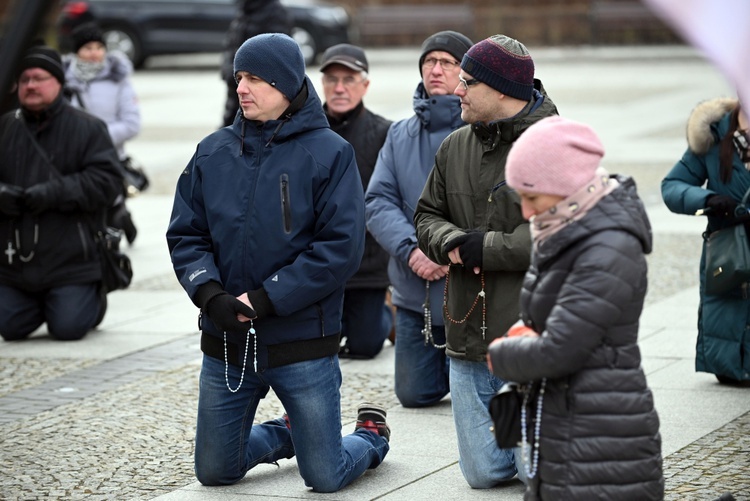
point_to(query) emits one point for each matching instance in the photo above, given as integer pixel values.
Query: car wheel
(120, 39)
(306, 43)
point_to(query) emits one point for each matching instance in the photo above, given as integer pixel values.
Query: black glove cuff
(261, 303)
(455, 242)
(206, 293)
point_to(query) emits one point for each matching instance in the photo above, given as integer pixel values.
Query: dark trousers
(366, 322)
(70, 311)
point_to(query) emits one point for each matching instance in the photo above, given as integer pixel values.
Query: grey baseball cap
(347, 55)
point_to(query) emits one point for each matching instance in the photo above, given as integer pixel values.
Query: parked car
(145, 28)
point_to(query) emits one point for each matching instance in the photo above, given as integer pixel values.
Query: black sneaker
(371, 417)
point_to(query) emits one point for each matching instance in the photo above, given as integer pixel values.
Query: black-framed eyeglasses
(467, 83)
(446, 64)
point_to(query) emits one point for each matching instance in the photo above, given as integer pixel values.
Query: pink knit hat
(555, 156)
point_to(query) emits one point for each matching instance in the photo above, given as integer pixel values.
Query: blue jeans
(421, 370)
(482, 462)
(228, 445)
(366, 322)
(70, 311)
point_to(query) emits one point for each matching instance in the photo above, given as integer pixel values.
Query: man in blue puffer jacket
(404, 162)
(267, 227)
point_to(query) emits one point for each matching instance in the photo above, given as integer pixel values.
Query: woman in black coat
(592, 426)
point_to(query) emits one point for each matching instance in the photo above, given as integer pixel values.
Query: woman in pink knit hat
(590, 429)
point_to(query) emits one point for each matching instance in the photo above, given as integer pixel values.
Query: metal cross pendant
(10, 251)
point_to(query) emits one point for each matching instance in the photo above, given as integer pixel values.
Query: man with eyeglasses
(468, 219)
(405, 161)
(58, 175)
(367, 319)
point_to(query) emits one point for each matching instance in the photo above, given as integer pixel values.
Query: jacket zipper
(84, 242)
(286, 208)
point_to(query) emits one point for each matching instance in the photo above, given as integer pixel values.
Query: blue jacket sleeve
(188, 237)
(682, 189)
(386, 219)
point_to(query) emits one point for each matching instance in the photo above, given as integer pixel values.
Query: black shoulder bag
(728, 256)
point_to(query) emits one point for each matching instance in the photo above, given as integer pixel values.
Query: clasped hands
(467, 249)
(724, 206)
(36, 199)
(230, 313)
(424, 267)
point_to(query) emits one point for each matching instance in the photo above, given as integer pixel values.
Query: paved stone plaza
(112, 417)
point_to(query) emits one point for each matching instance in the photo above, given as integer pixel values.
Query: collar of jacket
(38, 119)
(437, 112)
(297, 103)
(505, 130)
(334, 122)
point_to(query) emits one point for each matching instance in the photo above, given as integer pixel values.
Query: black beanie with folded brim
(454, 43)
(44, 57)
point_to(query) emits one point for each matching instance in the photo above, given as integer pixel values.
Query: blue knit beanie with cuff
(274, 57)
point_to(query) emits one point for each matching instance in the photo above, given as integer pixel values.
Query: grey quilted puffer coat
(584, 294)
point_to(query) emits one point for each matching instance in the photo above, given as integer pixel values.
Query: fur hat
(504, 64)
(276, 58)
(85, 33)
(452, 42)
(44, 57)
(555, 156)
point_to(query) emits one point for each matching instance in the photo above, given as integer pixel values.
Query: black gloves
(471, 248)
(223, 309)
(42, 196)
(11, 199)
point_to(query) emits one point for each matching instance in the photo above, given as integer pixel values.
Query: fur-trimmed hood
(700, 137)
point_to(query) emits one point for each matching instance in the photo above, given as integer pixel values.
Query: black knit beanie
(44, 57)
(85, 33)
(274, 57)
(452, 42)
(504, 64)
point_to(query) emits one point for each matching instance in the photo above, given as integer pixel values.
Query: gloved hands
(223, 310)
(11, 200)
(721, 206)
(42, 196)
(471, 248)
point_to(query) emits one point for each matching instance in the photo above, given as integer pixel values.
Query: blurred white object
(718, 28)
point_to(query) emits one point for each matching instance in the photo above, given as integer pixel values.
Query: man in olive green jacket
(467, 217)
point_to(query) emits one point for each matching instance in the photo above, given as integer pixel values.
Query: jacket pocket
(286, 207)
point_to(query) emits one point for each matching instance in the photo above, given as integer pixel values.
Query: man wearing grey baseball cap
(367, 319)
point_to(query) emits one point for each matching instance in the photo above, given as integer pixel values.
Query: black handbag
(505, 409)
(727, 265)
(117, 271)
(134, 176)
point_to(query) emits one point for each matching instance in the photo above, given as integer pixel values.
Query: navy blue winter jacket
(278, 207)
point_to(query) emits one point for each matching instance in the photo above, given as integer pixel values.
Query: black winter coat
(584, 294)
(86, 180)
(366, 132)
(253, 18)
